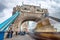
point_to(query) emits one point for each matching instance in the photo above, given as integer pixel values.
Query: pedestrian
(10, 33)
(16, 31)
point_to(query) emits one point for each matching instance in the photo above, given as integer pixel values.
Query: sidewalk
(20, 37)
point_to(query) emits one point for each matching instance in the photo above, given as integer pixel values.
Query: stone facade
(28, 13)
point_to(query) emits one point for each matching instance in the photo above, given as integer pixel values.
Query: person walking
(10, 33)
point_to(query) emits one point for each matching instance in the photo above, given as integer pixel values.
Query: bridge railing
(6, 24)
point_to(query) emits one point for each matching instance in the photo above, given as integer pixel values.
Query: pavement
(20, 37)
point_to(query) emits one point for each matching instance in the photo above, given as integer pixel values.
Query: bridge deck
(19, 37)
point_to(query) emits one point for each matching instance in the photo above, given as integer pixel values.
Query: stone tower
(28, 13)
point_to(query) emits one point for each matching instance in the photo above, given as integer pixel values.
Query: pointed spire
(22, 3)
(40, 5)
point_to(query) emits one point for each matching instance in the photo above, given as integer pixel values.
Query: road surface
(20, 37)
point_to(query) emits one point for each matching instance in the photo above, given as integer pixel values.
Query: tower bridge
(29, 13)
(25, 13)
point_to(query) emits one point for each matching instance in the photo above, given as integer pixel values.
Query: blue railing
(8, 22)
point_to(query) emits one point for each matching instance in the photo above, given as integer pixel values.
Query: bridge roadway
(20, 37)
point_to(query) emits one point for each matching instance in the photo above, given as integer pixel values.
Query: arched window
(38, 10)
(25, 8)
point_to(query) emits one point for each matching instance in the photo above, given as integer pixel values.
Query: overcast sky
(6, 7)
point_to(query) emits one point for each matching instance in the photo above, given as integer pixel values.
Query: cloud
(2, 7)
(57, 1)
(1, 15)
(53, 6)
(5, 14)
(32, 25)
(6, 7)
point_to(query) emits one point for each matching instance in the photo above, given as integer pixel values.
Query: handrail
(54, 18)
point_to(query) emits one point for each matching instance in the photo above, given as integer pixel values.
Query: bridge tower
(28, 13)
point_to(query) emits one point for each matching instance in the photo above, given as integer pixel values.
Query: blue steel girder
(8, 22)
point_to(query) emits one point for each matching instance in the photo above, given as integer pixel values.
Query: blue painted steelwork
(8, 22)
(2, 35)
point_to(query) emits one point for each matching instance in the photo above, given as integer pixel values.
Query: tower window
(25, 8)
(38, 10)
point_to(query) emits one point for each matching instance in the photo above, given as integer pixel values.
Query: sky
(6, 7)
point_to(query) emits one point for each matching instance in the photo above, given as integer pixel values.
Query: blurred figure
(10, 33)
(16, 31)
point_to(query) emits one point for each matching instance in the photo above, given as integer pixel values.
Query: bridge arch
(29, 17)
(35, 19)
